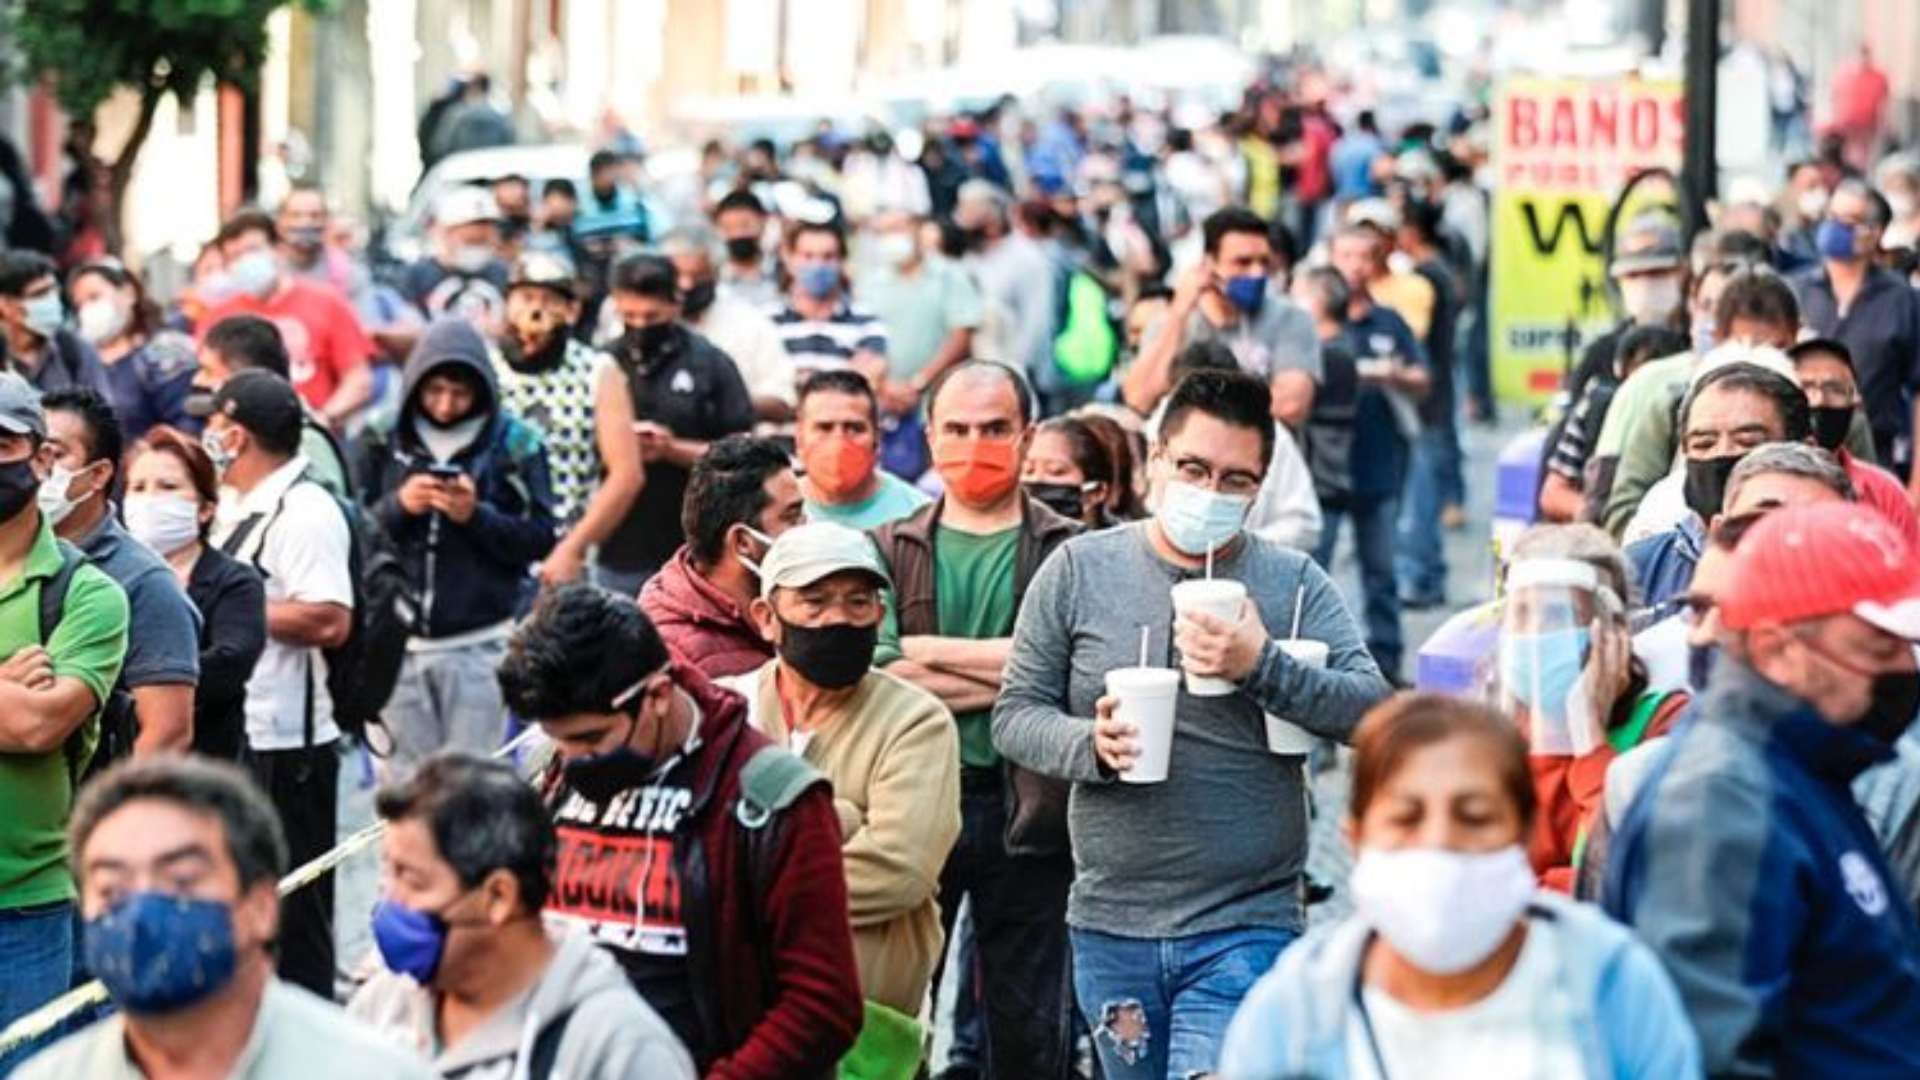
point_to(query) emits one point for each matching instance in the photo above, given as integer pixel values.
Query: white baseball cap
(807, 553)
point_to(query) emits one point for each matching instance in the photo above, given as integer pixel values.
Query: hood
(580, 970)
(448, 342)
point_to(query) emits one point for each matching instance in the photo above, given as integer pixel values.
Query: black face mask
(545, 357)
(698, 299)
(18, 488)
(642, 344)
(1830, 425)
(830, 657)
(1700, 667)
(1062, 499)
(1706, 486)
(600, 777)
(743, 248)
(1896, 699)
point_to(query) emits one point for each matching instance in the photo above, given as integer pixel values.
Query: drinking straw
(1145, 631)
(1299, 607)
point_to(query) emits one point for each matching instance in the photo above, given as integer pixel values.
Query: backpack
(363, 670)
(1088, 344)
(118, 724)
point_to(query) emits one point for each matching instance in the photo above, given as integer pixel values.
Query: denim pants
(1421, 558)
(1158, 1007)
(36, 950)
(1374, 524)
(446, 699)
(1019, 908)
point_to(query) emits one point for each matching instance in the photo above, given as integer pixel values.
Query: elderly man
(887, 746)
(178, 859)
(1745, 862)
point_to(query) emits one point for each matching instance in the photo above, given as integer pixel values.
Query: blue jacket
(1663, 564)
(1294, 1022)
(1748, 868)
(475, 575)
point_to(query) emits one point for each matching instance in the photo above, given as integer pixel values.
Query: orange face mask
(838, 466)
(976, 471)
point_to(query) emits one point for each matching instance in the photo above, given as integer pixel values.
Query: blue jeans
(1158, 1007)
(36, 949)
(1422, 556)
(1374, 520)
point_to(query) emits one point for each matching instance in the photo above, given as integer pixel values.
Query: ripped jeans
(1158, 1007)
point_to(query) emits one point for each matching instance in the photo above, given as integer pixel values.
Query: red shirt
(1883, 492)
(323, 336)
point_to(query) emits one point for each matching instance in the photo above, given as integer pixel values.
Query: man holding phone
(1236, 295)
(463, 488)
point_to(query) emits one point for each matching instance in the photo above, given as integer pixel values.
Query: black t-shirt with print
(695, 391)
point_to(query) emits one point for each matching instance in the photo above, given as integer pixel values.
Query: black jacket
(232, 602)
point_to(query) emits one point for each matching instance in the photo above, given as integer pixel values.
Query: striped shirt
(826, 344)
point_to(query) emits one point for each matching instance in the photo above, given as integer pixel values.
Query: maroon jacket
(700, 623)
(769, 942)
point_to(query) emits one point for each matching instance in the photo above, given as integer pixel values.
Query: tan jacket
(893, 756)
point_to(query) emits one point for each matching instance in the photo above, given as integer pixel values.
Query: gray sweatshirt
(610, 1032)
(1221, 843)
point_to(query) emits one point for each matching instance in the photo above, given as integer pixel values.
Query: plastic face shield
(1546, 642)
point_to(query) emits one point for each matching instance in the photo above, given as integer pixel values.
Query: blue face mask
(1248, 293)
(818, 280)
(1835, 240)
(158, 953)
(1540, 670)
(1197, 521)
(1700, 667)
(410, 942)
(44, 314)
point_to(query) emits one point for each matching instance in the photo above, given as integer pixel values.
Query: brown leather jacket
(1036, 805)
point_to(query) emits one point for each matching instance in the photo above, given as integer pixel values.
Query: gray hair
(693, 240)
(1581, 543)
(201, 785)
(1792, 459)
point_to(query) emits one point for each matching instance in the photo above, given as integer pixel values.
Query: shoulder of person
(350, 1047)
(95, 591)
(168, 356)
(98, 1049)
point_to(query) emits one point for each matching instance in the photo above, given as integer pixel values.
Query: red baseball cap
(1810, 562)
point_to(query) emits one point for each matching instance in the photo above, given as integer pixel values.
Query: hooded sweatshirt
(609, 1032)
(470, 576)
(1295, 1021)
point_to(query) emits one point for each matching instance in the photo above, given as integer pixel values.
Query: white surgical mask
(55, 503)
(100, 321)
(1197, 521)
(895, 248)
(1650, 301)
(1444, 911)
(165, 523)
(1812, 203)
(472, 258)
(254, 273)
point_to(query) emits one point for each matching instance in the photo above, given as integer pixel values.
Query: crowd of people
(884, 568)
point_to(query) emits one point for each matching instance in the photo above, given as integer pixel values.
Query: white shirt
(1524, 1030)
(1662, 509)
(302, 548)
(750, 339)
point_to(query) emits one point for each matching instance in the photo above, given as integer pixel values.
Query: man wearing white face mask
(930, 307)
(1216, 881)
(34, 319)
(163, 657)
(465, 275)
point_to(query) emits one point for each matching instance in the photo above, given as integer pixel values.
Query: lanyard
(1366, 1026)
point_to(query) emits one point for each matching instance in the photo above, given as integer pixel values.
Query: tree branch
(120, 173)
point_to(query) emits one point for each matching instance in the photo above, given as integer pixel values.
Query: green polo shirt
(36, 791)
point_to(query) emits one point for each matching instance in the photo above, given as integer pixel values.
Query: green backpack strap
(770, 782)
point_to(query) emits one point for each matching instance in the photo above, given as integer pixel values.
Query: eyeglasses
(1204, 474)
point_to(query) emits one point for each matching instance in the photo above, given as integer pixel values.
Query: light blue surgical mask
(818, 280)
(1541, 670)
(254, 273)
(44, 314)
(1197, 521)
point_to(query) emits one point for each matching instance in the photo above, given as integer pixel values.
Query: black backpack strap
(546, 1047)
(53, 591)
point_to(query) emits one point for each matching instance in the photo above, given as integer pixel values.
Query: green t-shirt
(36, 791)
(973, 587)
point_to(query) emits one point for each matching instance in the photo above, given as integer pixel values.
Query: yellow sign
(1563, 150)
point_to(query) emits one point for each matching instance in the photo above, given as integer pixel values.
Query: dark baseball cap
(20, 407)
(1650, 244)
(262, 402)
